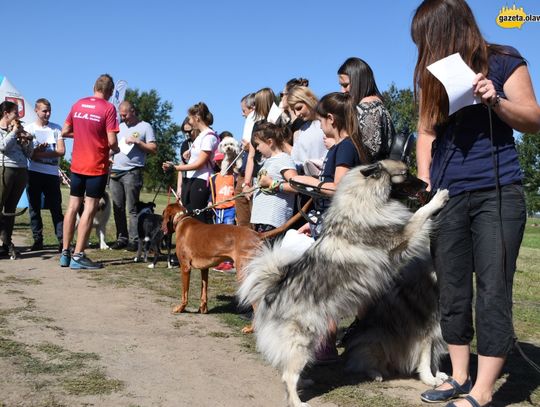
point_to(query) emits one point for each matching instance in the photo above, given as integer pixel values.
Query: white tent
(10, 93)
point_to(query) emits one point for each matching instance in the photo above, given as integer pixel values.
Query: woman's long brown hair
(441, 28)
(342, 107)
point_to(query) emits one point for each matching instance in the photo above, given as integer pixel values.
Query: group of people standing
(30, 159)
(315, 142)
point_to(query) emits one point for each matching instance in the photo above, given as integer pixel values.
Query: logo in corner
(514, 17)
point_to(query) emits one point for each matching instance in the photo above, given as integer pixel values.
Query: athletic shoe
(81, 262)
(65, 258)
(225, 267)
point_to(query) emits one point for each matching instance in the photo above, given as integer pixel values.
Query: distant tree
(400, 103)
(528, 147)
(402, 107)
(151, 109)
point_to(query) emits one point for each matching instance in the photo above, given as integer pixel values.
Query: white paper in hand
(124, 147)
(296, 243)
(248, 127)
(457, 78)
(45, 136)
(274, 113)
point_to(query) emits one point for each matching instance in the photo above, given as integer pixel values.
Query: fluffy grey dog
(400, 334)
(367, 237)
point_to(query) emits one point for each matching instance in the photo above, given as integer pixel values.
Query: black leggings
(195, 195)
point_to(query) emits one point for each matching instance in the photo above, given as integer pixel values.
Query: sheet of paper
(248, 127)
(456, 77)
(124, 147)
(44, 136)
(274, 113)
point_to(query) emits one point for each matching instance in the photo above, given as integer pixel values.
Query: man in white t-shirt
(43, 175)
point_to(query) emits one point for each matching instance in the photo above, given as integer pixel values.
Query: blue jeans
(125, 192)
(468, 242)
(49, 186)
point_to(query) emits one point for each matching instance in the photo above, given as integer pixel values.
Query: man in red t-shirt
(93, 124)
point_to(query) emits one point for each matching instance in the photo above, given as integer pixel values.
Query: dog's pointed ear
(371, 170)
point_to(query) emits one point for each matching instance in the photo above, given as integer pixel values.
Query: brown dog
(200, 245)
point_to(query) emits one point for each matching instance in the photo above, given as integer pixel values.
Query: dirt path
(67, 340)
(161, 359)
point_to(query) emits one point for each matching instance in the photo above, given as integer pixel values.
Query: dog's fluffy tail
(264, 272)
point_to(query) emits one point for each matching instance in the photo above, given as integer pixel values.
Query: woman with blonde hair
(472, 153)
(308, 141)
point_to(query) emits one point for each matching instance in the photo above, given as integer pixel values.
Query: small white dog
(231, 149)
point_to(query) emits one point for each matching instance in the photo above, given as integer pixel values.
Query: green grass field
(165, 283)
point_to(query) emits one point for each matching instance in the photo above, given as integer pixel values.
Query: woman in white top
(196, 191)
(308, 144)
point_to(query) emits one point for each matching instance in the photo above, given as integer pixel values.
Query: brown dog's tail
(288, 224)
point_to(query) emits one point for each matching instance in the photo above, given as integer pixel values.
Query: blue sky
(217, 51)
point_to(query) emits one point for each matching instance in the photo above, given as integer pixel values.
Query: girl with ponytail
(337, 114)
(273, 204)
(200, 165)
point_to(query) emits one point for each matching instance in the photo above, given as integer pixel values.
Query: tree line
(400, 103)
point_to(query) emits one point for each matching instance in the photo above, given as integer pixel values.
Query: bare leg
(85, 223)
(489, 369)
(459, 355)
(69, 220)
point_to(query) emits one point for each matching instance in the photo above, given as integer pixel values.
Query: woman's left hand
(484, 89)
(265, 181)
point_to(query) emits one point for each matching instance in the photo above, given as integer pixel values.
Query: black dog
(149, 230)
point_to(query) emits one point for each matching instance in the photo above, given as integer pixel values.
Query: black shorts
(91, 185)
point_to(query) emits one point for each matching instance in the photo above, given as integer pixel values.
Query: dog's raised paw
(440, 378)
(440, 198)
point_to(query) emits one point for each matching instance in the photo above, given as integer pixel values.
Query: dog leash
(233, 161)
(197, 212)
